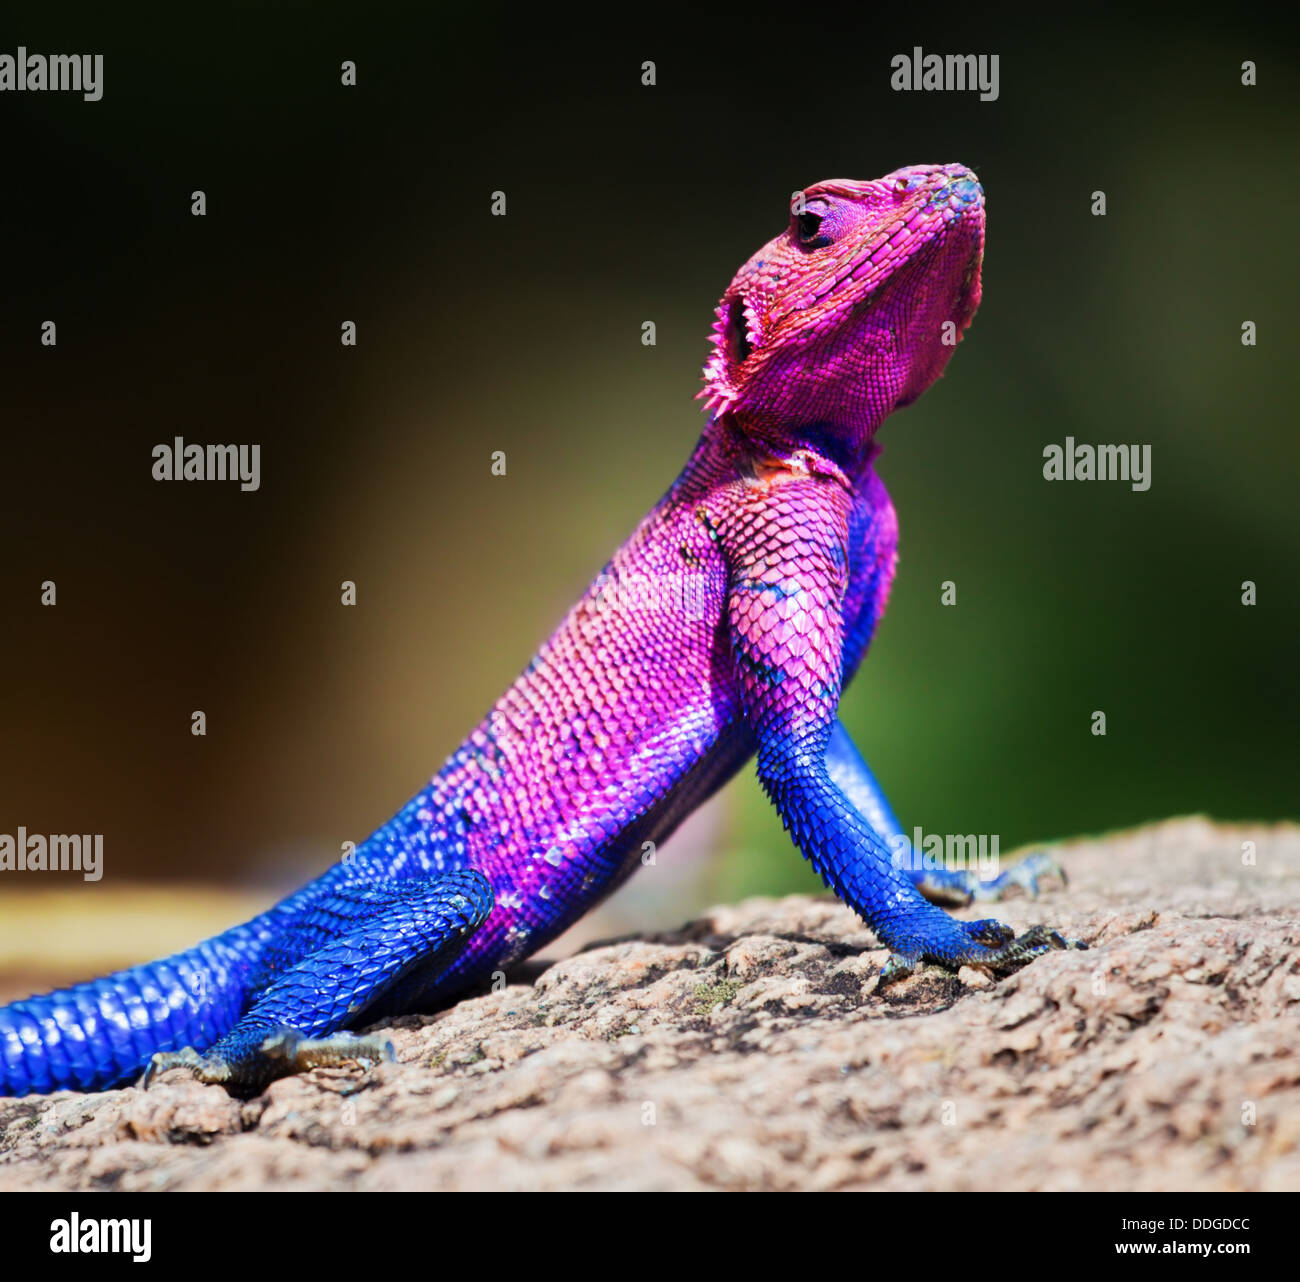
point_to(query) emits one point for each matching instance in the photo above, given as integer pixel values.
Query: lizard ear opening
(738, 345)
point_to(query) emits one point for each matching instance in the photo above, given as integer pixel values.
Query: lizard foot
(296, 1053)
(959, 887)
(281, 1052)
(1025, 874)
(996, 947)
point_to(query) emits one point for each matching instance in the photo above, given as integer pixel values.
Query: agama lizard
(760, 577)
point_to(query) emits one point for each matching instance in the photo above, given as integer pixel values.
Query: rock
(748, 1051)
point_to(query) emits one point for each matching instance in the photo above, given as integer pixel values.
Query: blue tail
(103, 1033)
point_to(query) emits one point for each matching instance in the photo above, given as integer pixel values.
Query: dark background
(522, 334)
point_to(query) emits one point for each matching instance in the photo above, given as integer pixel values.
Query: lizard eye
(807, 226)
(813, 226)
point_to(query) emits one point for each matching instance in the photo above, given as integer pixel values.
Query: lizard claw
(1033, 943)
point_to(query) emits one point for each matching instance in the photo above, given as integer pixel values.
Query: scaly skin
(724, 628)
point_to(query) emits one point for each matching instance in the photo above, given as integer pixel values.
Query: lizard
(759, 579)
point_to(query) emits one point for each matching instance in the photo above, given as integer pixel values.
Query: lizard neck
(809, 448)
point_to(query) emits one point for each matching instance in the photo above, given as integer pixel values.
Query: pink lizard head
(853, 310)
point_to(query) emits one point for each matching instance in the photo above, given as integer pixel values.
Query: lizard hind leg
(370, 938)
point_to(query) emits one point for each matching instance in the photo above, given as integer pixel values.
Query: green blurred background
(522, 334)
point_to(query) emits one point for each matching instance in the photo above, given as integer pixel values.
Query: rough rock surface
(749, 1051)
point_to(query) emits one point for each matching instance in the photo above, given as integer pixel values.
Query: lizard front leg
(786, 546)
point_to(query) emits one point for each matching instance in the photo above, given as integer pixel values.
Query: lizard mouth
(736, 332)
